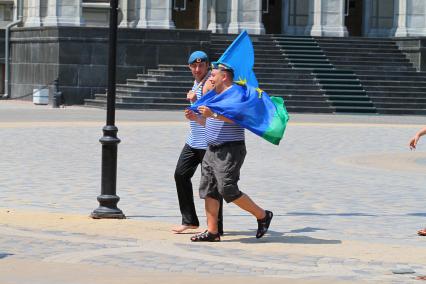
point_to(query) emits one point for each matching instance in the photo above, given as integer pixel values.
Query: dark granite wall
(78, 57)
(415, 50)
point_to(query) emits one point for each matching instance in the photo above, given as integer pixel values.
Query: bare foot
(182, 228)
(422, 232)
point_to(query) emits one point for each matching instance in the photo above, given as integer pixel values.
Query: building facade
(66, 40)
(369, 18)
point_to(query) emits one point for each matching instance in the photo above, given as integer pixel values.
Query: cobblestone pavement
(334, 179)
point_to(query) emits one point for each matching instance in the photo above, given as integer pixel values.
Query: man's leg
(212, 212)
(263, 217)
(220, 215)
(245, 203)
(185, 169)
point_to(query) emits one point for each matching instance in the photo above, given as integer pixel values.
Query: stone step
(334, 81)
(309, 52)
(296, 43)
(344, 92)
(379, 77)
(341, 87)
(293, 103)
(352, 109)
(401, 100)
(393, 72)
(307, 57)
(393, 83)
(398, 111)
(355, 104)
(401, 59)
(355, 46)
(355, 40)
(312, 65)
(348, 98)
(390, 94)
(400, 105)
(160, 78)
(376, 68)
(134, 93)
(299, 47)
(353, 62)
(336, 76)
(395, 88)
(310, 60)
(180, 83)
(308, 109)
(390, 50)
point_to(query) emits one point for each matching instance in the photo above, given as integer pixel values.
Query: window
(298, 12)
(179, 5)
(382, 13)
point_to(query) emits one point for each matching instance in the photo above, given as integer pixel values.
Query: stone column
(212, 23)
(400, 18)
(329, 18)
(411, 18)
(127, 9)
(64, 13)
(202, 15)
(155, 14)
(246, 15)
(33, 18)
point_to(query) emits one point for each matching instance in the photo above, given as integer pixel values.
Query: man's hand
(189, 114)
(205, 111)
(413, 142)
(191, 96)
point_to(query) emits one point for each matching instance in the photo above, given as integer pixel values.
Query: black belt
(230, 143)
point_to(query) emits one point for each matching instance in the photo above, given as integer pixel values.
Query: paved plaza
(347, 194)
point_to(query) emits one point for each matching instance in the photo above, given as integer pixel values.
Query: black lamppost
(108, 199)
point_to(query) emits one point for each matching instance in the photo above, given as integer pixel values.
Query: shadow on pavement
(331, 214)
(276, 237)
(4, 255)
(417, 214)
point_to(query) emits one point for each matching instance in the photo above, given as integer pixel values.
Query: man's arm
(189, 114)
(207, 112)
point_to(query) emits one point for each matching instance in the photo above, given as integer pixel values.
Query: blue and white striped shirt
(197, 134)
(219, 132)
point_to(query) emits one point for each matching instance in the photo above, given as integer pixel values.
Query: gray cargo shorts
(220, 171)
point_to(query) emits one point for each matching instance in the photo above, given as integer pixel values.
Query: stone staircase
(341, 88)
(315, 75)
(389, 79)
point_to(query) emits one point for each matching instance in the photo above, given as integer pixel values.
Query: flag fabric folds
(240, 57)
(244, 103)
(253, 110)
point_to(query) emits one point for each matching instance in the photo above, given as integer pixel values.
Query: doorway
(353, 19)
(272, 16)
(185, 14)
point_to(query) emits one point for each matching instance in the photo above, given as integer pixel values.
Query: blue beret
(198, 56)
(222, 66)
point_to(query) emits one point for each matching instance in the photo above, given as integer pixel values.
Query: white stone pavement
(334, 179)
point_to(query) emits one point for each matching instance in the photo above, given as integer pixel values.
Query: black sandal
(263, 224)
(206, 236)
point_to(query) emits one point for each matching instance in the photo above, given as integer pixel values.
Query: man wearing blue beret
(195, 147)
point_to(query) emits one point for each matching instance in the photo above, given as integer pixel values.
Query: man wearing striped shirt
(220, 170)
(193, 152)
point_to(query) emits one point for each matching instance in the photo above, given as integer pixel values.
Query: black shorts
(220, 171)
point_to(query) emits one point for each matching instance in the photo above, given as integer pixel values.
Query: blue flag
(244, 103)
(250, 108)
(239, 56)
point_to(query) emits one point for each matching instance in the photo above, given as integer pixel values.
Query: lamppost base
(108, 208)
(107, 213)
